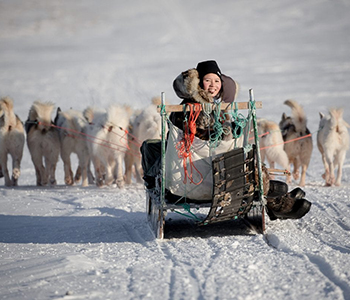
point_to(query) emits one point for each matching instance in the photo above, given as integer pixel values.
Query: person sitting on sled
(207, 84)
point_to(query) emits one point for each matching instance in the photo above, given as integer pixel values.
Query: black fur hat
(206, 67)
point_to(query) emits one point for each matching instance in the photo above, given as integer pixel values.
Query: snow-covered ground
(90, 243)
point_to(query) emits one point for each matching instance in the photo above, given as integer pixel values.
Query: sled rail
(224, 106)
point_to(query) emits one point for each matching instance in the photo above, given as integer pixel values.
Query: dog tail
(337, 120)
(298, 115)
(10, 117)
(157, 100)
(88, 114)
(8, 102)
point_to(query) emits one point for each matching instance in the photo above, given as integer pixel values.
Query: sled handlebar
(224, 106)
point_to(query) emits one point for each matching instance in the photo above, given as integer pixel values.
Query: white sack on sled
(202, 161)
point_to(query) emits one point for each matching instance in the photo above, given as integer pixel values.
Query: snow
(90, 243)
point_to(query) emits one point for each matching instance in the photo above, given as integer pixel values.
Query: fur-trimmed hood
(187, 86)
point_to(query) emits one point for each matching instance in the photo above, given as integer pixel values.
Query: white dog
(71, 125)
(43, 142)
(272, 144)
(333, 142)
(12, 141)
(108, 142)
(144, 125)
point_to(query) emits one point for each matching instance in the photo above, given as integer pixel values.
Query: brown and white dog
(12, 139)
(271, 144)
(71, 125)
(299, 149)
(43, 142)
(333, 142)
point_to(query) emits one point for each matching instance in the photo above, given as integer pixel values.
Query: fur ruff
(191, 82)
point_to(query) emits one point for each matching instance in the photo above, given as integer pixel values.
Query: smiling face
(212, 84)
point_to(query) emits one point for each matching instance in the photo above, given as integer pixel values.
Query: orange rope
(263, 134)
(184, 145)
(92, 139)
(289, 141)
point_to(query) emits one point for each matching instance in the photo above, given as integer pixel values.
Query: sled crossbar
(224, 106)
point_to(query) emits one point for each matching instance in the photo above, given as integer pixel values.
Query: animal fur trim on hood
(186, 86)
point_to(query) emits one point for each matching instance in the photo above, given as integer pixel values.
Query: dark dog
(299, 150)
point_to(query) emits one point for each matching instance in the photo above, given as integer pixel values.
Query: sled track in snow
(319, 263)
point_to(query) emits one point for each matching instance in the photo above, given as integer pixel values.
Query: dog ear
(284, 116)
(321, 115)
(57, 115)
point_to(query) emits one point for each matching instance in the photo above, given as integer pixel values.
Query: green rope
(239, 120)
(187, 208)
(218, 130)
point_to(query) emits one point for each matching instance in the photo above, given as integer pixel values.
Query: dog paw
(16, 173)
(120, 183)
(68, 181)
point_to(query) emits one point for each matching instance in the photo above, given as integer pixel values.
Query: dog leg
(77, 176)
(40, 171)
(325, 175)
(68, 173)
(91, 178)
(99, 170)
(128, 167)
(5, 170)
(109, 174)
(16, 170)
(340, 161)
(331, 178)
(50, 171)
(119, 172)
(139, 171)
(296, 173)
(38, 176)
(303, 175)
(83, 165)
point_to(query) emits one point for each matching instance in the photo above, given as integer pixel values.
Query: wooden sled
(237, 187)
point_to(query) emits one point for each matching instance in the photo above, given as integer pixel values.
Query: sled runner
(223, 176)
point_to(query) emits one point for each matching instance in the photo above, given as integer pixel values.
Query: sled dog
(143, 125)
(271, 144)
(12, 139)
(298, 151)
(43, 142)
(333, 142)
(71, 126)
(108, 142)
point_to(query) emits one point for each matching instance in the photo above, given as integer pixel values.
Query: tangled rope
(239, 120)
(183, 147)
